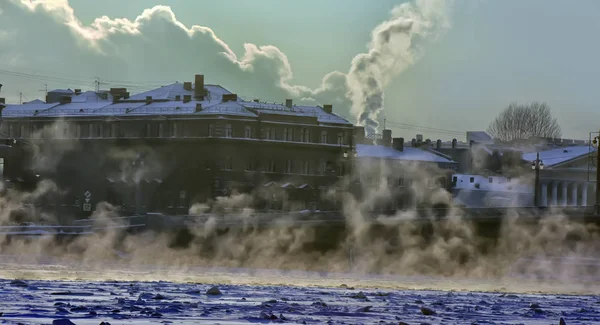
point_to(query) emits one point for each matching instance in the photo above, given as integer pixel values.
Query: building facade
(169, 148)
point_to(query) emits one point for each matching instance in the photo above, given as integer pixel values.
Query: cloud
(156, 44)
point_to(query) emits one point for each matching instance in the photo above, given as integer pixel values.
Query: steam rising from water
(401, 244)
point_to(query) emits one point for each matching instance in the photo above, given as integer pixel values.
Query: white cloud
(156, 45)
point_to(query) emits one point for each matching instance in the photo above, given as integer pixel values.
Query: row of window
(182, 129)
(304, 167)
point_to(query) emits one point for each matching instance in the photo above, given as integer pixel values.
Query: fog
(441, 244)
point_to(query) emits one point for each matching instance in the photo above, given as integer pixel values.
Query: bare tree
(525, 121)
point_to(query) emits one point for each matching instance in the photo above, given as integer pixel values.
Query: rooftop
(165, 101)
(556, 156)
(407, 154)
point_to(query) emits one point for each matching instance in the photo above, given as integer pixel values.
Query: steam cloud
(228, 233)
(126, 48)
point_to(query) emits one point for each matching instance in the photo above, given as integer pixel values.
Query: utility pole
(20, 98)
(536, 197)
(45, 90)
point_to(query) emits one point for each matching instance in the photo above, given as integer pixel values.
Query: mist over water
(411, 249)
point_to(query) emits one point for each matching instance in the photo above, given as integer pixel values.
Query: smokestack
(454, 143)
(399, 144)
(359, 135)
(438, 144)
(187, 86)
(199, 91)
(148, 100)
(65, 100)
(289, 103)
(187, 98)
(387, 137)
(328, 108)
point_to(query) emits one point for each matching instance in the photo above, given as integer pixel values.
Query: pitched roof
(408, 153)
(557, 156)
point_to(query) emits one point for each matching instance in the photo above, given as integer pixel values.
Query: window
(83, 130)
(1, 168)
(491, 180)
(322, 167)
(323, 136)
(211, 130)
(306, 168)
(24, 129)
(288, 134)
(228, 131)
(271, 168)
(113, 130)
(249, 165)
(148, 131)
(161, 130)
(11, 130)
(471, 179)
(288, 166)
(174, 129)
(304, 135)
(93, 131)
(228, 163)
(340, 138)
(248, 132)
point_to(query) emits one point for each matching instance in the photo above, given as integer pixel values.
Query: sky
(446, 67)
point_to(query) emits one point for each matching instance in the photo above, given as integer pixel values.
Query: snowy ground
(258, 296)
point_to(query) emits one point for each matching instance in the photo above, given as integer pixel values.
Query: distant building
(166, 149)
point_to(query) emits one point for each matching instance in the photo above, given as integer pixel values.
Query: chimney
(419, 138)
(289, 103)
(126, 95)
(187, 86)
(328, 108)
(199, 91)
(428, 142)
(398, 144)
(187, 98)
(438, 144)
(77, 91)
(2, 100)
(413, 143)
(453, 143)
(116, 98)
(198, 107)
(387, 137)
(230, 98)
(256, 100)
(148, 100)
(359, 135)
(177, 97)
(65, 100)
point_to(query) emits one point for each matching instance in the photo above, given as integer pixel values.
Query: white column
(554, 193)
(574, 194)
(565, 186)
(584, 194)
(544, 194)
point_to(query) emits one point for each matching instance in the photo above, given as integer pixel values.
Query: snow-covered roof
(36, 101)
(408, 153)
(559, 155)
(166, 100)
(62, 91)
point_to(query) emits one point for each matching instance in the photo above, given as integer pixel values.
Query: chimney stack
(289, 103)
(399, 144)
(328, 108)
(359, 135)
(438, 144)
(187, 98)
(2, 100)
(454, 143)
(198, 107)
(148, 100)
(229, 98)
(419, 138)
(256, 100)
(77, 91)
(116, 98)
(428, 142)
(199, 91)
(413, 143)
(387, 137)
(187, 86)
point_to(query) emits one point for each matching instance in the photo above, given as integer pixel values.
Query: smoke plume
(395, 45)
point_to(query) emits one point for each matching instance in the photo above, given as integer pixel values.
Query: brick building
(168, 148)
